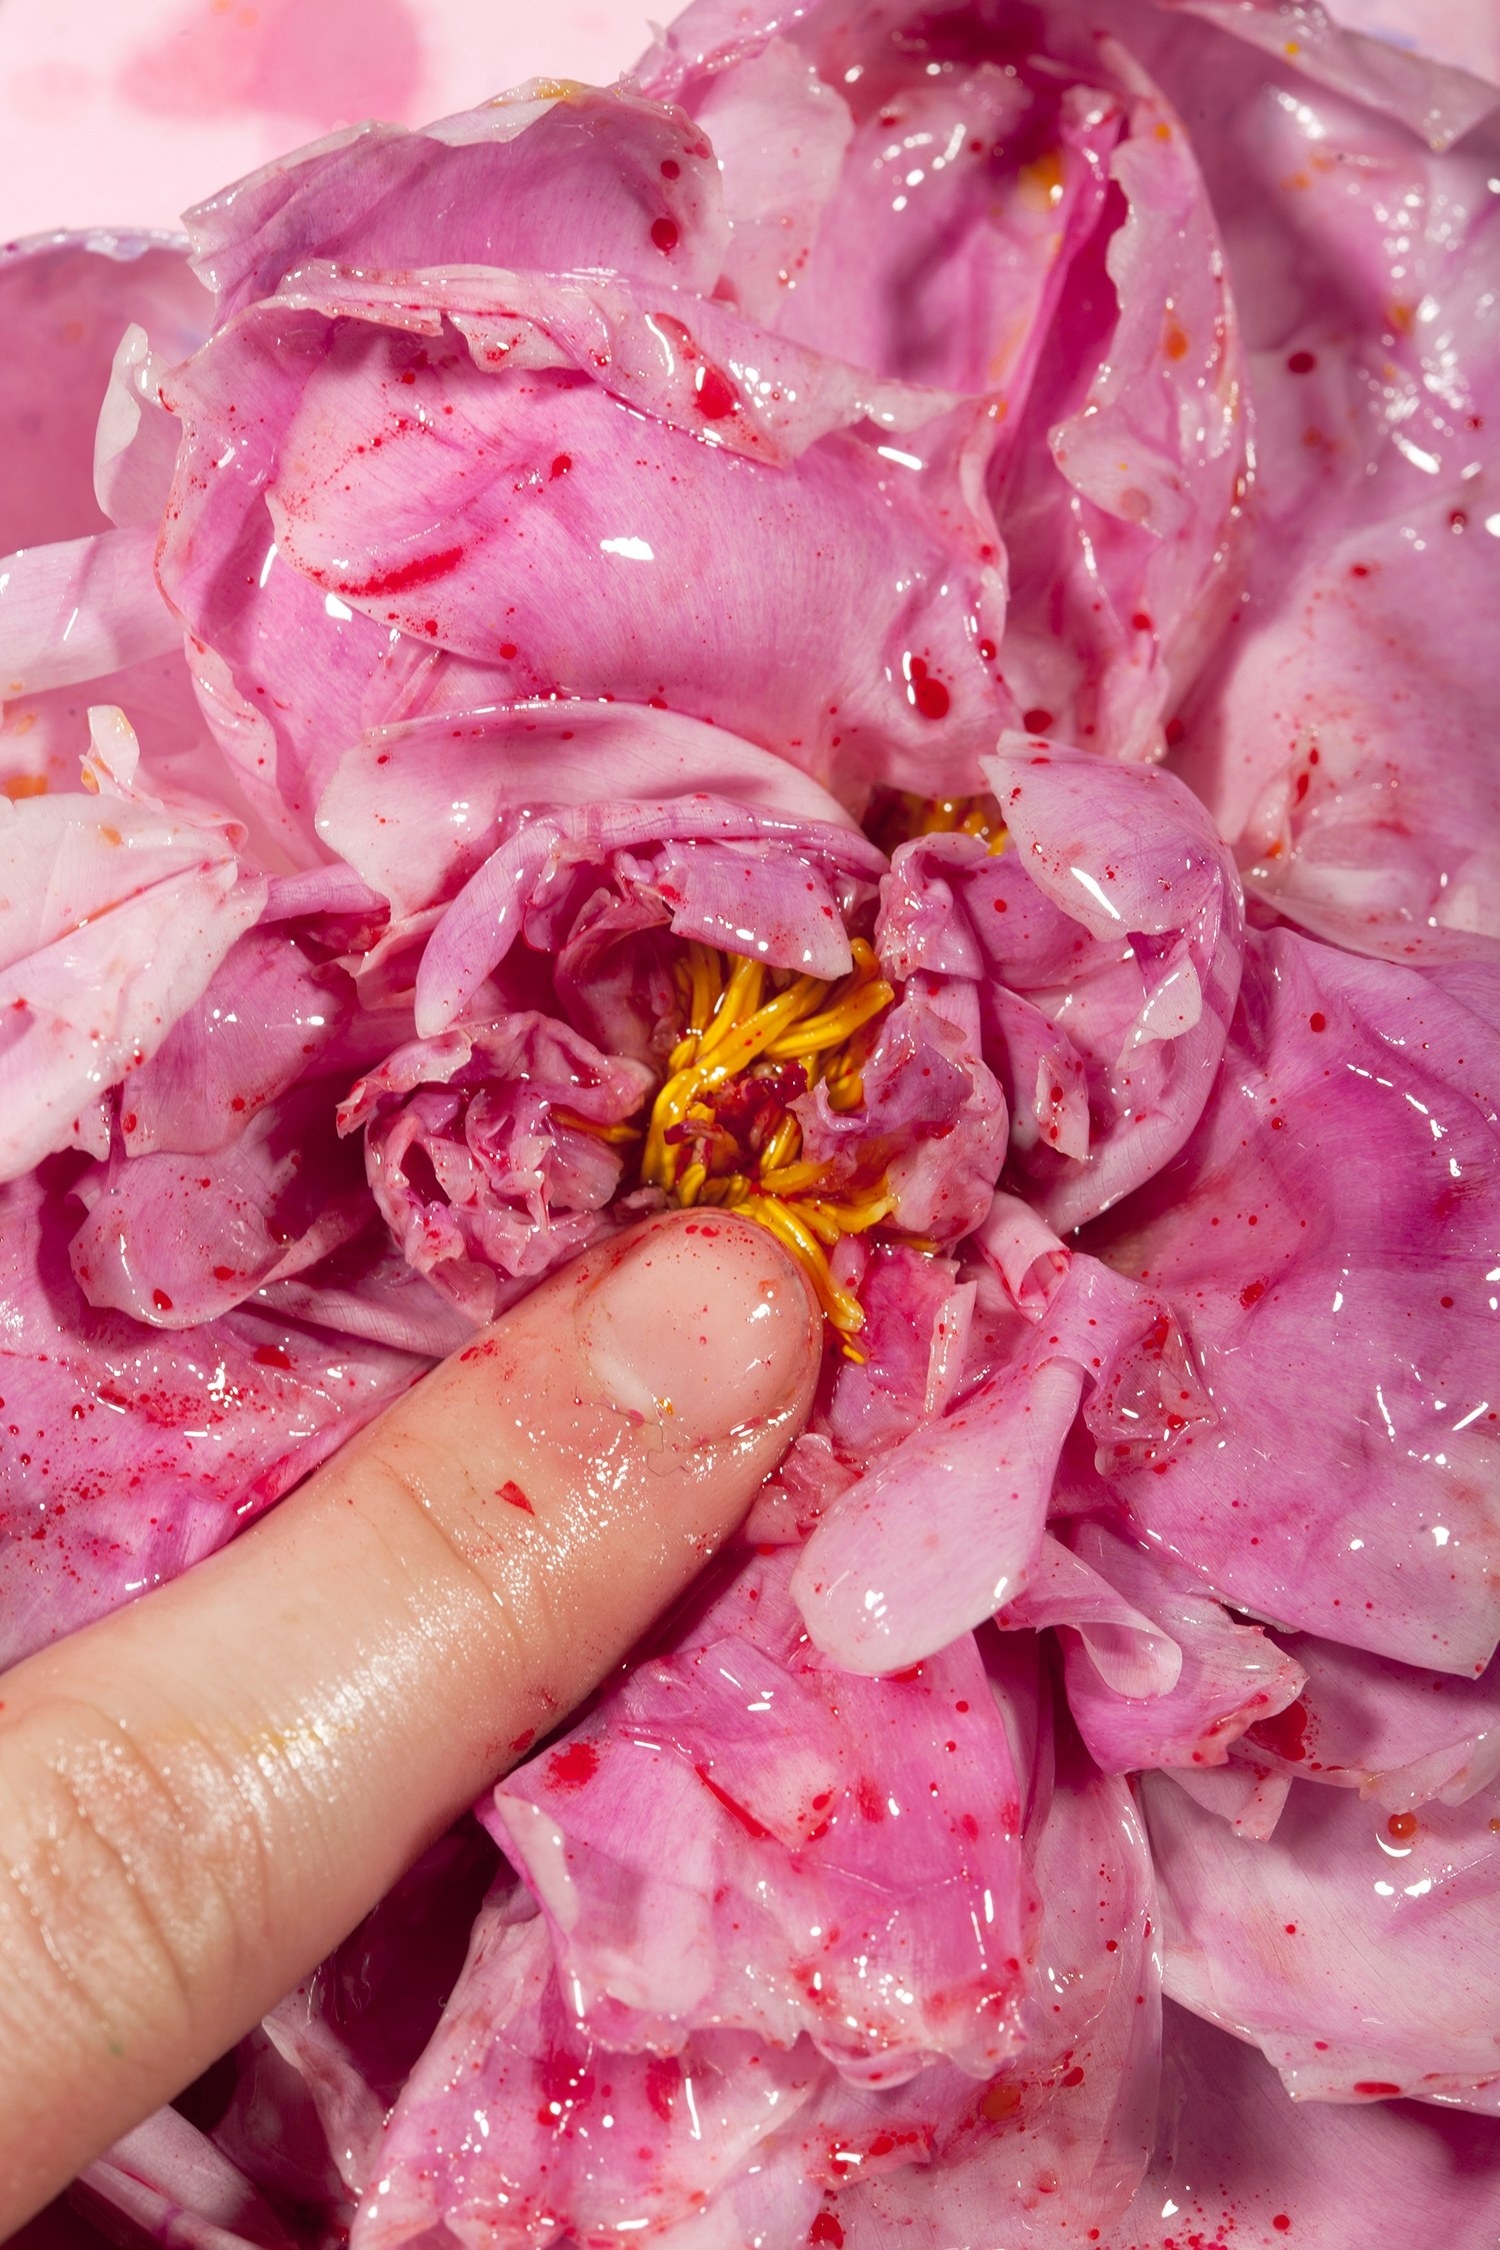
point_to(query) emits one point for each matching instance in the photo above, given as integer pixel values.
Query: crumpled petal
(501, 2125)
(1353, 1948)
(133, 1451)
(112, 920)
(788, 926)
(1108, 939)
(947, 1526)
(1341, 737)
(1229, 1676)
(480, 1179)
(1397, 1735)
(176, 1240)
(570, 176)
(1235, 2161)
(452, 782)
(745, 1837)
(1057, 2142)
(668, 569)
(912, 1349)
(932, 1102)
(1119, 507)
(1326, 1237)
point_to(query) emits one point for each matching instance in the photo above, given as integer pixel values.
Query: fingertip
(703, 1323)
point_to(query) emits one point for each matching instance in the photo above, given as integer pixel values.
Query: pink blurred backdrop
(121, 112)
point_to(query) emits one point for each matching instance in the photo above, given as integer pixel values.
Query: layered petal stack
(883, 626)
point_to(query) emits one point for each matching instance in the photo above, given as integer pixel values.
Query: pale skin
(202, 1794)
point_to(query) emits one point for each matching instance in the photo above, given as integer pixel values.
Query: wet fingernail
(702, 1326)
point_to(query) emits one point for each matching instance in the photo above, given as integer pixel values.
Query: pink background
(121, 112)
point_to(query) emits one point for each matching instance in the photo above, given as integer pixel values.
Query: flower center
(722, 1130)
(897, 815)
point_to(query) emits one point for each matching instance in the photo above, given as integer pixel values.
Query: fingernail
(703, 1326)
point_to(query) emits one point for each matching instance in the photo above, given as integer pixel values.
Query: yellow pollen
(900, 814)
(721, 1132)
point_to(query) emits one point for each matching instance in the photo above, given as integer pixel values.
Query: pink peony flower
(884, 627)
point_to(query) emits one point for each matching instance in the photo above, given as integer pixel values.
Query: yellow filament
(903, 815)
(740, 1019)
(842, 1310)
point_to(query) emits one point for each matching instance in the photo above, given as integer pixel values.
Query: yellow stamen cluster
(746, 1022)
(899, 814)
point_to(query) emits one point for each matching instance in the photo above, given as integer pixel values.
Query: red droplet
(507, 650)
(929, 695)
(1140, 623)
(561, 463)
(572, 1765)
(714, 395)
(988, 651)
(1302, 363)
(825, 2228)
(161, 1300)
(664, 233)
(1073, 2077)
(1402, 1826)
(1252, 1293)
(223, 1273)
(1375, 2086)
(1317, 1021)
(1284, 1734)
(1281, 2222)
(271, 1355)
(512, 1492)
(1036, 720)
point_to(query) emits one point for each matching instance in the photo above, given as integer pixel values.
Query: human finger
(201, 1795)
